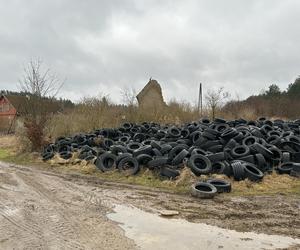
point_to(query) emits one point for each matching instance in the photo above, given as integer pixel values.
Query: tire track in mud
(40, 210)
(64, 225)
(31, 229)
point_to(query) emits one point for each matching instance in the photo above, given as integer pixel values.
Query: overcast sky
(104, 46)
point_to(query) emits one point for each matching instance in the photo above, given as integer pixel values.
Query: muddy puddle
(151, 231)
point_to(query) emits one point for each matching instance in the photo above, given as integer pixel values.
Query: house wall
(7, 114)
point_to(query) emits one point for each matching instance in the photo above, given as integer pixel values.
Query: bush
(93, 113)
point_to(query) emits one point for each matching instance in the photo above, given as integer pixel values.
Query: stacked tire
(237, 148)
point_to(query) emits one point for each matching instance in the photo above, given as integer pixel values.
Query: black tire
(133, 146)
(238, 170)
(198, 151)
(296, 170)
(65, 155)
(47, 156)
(222, 186)
(261, 162)
(174, 132)
(262, 150)
(285, 168)
(216, 157)
(156, 152)
(240, 151)
(169, 172)
(165, 149)
(296, 167)
(143, 159)
(227, 169)
(203, 190)
(200, 164)
(155, 144)
(229, 133)
(176, 150)
(286, 157)
(158, 162)
(295, 174)
(142, 150)
(129, 166)
(106, 162)
(180, 157)
(121, 156)
(252, 172)
(248, 158)
(116, 149)
(296, 157)
(218, 167)
(89, 158)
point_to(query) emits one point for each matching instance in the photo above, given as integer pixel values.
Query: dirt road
(49, 210)
(39, 211)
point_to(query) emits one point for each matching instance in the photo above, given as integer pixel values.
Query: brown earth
(47, 209)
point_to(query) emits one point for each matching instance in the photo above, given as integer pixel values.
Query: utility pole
(200, 100)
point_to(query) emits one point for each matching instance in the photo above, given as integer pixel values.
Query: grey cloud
(106, 46)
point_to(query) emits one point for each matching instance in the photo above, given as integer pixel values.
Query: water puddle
(151, 231)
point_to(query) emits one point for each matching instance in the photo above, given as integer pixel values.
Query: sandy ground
(39, 211)
(48, 210)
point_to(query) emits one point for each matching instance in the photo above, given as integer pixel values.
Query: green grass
(4, 154)
(9, 156)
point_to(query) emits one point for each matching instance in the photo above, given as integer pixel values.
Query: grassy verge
(271, 185)
(9, 156)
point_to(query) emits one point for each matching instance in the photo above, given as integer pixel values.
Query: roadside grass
(4, 154)
(272, 184)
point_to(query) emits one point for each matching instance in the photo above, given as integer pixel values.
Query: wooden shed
(12, 106)
(7, 113)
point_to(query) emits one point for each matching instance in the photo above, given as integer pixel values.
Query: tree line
(272, 102)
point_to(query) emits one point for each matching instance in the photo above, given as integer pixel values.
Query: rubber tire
(285, 168)
(100, 164)
(238, 170)
(134, 163)
(180, 157)
(142, 150)
(198, 170)
(158, 162)
(218, 167)
(221, 185)
(65, 155)
(121, 156)
(252, 172)
(169, 172)
(47, 156)
(143, 159)
(236, 154)
(203, 190)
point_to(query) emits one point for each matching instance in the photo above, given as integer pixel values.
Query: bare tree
(40, 82)
(129, 96)
(215, 99)
(41, 87)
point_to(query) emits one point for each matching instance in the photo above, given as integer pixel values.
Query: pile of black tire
(237, 148)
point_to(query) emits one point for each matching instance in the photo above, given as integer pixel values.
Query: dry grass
(8, 141)
(95, 113)
(271, 184)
